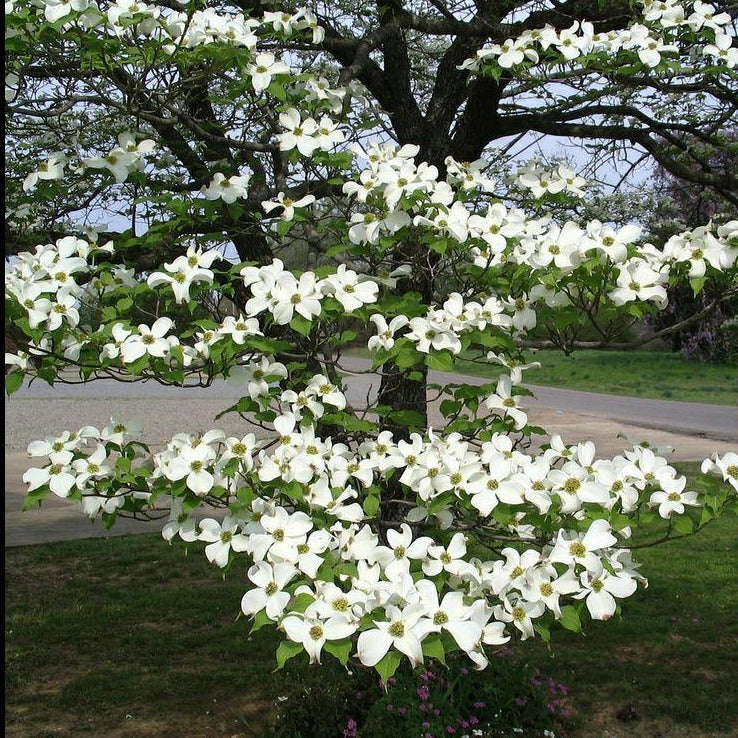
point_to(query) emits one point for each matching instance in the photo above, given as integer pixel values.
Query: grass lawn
(128, 637)
(657, 375)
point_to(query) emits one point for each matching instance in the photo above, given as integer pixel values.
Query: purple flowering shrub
(507, 699)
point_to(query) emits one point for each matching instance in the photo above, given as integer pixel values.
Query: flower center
(341, 604)
(577, 549)
(397, 630)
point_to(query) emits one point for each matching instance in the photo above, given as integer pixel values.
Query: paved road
(719, 422)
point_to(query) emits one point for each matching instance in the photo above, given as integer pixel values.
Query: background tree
(679, 206)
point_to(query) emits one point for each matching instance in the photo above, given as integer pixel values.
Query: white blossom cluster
(43, 282)
(200, 28)
(128, 156)
(657, 37)
(277, 291)
(306, 134)
(398, 193)
(322, 573)
(175, 30)
(540, 180)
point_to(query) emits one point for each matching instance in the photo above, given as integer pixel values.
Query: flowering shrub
(506, 699)
(364, 529)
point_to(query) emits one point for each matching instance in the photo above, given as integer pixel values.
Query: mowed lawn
(657, 375)
(129, 636)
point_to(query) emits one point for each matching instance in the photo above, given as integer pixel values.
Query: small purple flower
(350, 730)
(450, 730)
(465, 671)
(520, 701)
(473, 720)
(402, 710)
(423, 692)
(480, 705)
(426, 725)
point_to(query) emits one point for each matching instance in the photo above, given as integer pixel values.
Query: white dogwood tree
(282, 182)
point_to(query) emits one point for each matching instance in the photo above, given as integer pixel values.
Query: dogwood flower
(261, 376)
(600, 588)
(506, 403)
(672, 498)
(149, 341)
(221, 537)
(575, 548)
(287, 204)
(227, 189)
(450, 614)
(59, 474)
(727, 465)
(298, 133)
(91, 467)
(52, 168)
(263, 68)
(269, 594)
(349, 289)
(179, 523)
(398, 632)
(395, 558)
(313, 632)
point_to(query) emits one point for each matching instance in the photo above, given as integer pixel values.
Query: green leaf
(388, 665)
(286, 651)
(410, 418)
(13, 382)
(371, 505)
(294, 491)
(406, 358)
(301, 325)
(340, 649)
(697, 284)
(301, 602)
(570, 619)
(348, 422)
(433, 649)
(442, 361)
(543, 630)
(124, 304)
(33, 499)
(260, 620)
(683, 525)
(449, 407)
